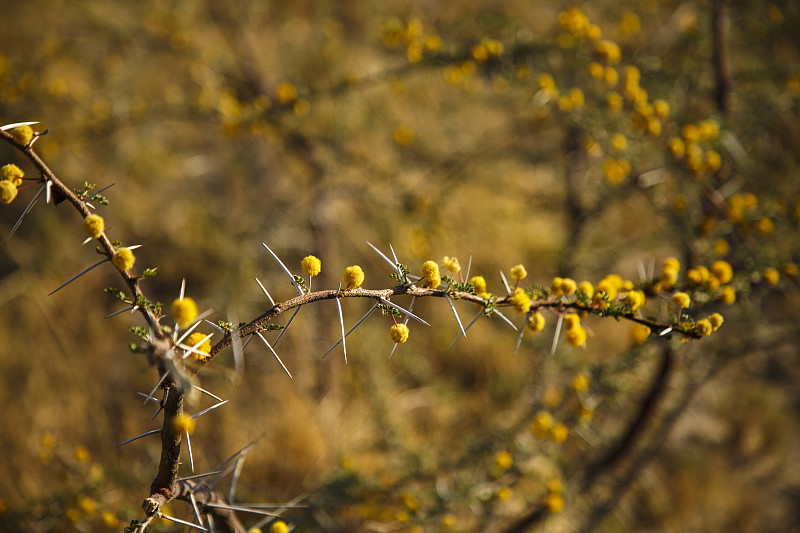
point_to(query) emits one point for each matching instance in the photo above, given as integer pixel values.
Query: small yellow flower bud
(716, 321)
(353, 277)
(727, 295)
(123, 259)
(681, 299)
(22, 134)
(772, 276)
(640, 333)
(183, 424)
(12, 173)
(536, 321)
(93, 226)
(184, 311)
(518, 272)
(399, 333)
(503, 460)
(279, 527)
(430, 274)
(703, 327)
(576, 336)
(8, 191)
(722, 270)
(312, 266)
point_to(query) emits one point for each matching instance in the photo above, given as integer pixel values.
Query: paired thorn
(388, 261)
(362, 319)
(476, 317)
(288, 273)
(455, 313)
(408, 313)
(22, 216)
(260, 336)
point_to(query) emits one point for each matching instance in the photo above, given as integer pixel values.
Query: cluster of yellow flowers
(10, 179)
(694, 147)
(411, 35)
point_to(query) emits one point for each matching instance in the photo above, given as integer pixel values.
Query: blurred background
(482, 130)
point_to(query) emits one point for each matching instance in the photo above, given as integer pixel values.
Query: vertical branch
(722, 64)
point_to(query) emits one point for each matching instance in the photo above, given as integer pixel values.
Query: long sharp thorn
(189, 447)
(469, 266)
(455, 313)
(139, 437)
(294, 282)
(48, 187)
(275, 354)
(556, 335)
(266, 292)
(199, 476)
(179, 521)
(196, 510)
(476, 317)
(14, 125)
(388, 261)
(505, 282)
(150, 398)
(92, 197)
(362, 319)
(115, 313)
(519, 337)
(204, 411)
(504, 318)
(666, 331)
(237, 471)
(76, 276)
(394, 255)
(160, 381)
(207, 393)
(183, 289)
(341, 324)
(215, 326)
(24, 212)
(187, 332)
(242, 509)
(236, 345)
(408, 313)
(288, 323)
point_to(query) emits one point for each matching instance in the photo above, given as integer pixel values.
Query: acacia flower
(535, 321)
(503, 460)
(123, 259)
(772, 276)
(571, 320)
(635, 299)
(727, 295)
(312, 266)
(183, 424)
(521, 301)
(480, 286)
(278, 526)
(580, 382)
(722, 270)
(586, 288)
(8, 191)
(399, 333)
(430, 274)
(576, 336)
(353, 277)
(541, 424)
(22, 134)
(93, 226)
(12, 173)
(640, 333)
(716, 321)
(452, 264)
(681, 299)
(204, 345)
(703, 327)
(518, 272)
(554, 502)
(559, 433)
(184, 310)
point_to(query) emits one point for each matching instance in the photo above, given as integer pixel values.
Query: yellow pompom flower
(184, 311)
(353, 277)
(278, 527)
(554, 502)
(430, 274)
(727, 295)
(559, 433)
(123, 259)
(22, 134)
(312, 266)
(399, 333)
(503, 460)
(586, 288)
(12, 173)
(480, 286)
(8, 191)
(681, 299)
(640, 333)
(703, 327)
(520, 301)
(722, 270)
(635, 299)
(716, 321)
(286, 93)
(535, 321)
(452, 264)
(183, 424)
(576, 336)
(518, 272)
(541, 424)
(204, 346)
(93, 226)
(791, 270)
(619, 142)
(571, 320)
(772, 276)
(580, 382)
(765, 226)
